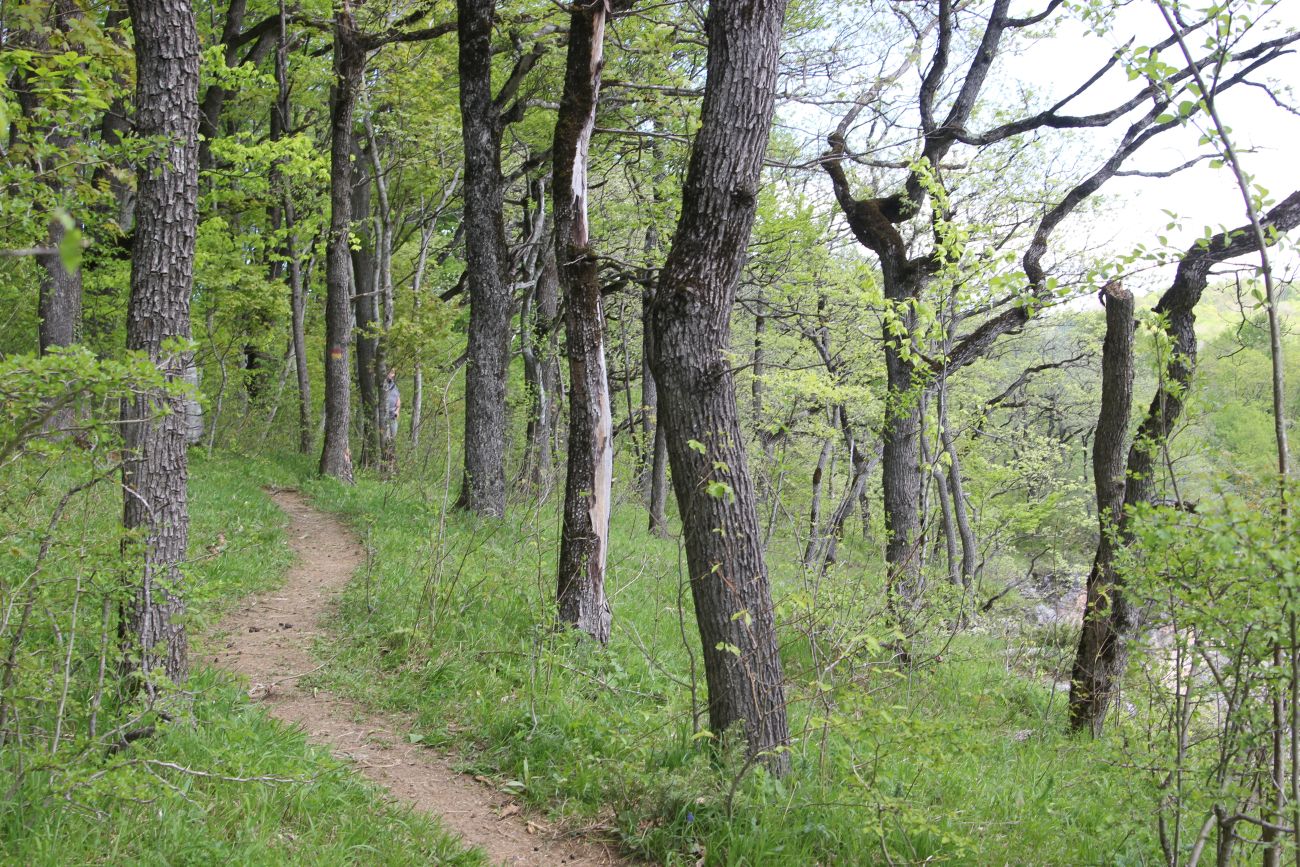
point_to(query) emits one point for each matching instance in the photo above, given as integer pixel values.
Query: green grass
(296, 804)
(962, 760)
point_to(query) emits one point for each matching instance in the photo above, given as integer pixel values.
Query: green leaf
(70, 249)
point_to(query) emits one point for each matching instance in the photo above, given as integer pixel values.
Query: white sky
(1202, 195)
(1056, 65)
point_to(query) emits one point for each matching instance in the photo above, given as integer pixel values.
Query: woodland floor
(268, 639)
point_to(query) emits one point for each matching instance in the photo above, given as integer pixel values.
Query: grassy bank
(224, 784)
(960, 759)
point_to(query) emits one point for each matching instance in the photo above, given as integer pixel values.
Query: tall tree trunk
(349, 63)
(365, 307)
(657, 476)
(162, 272)
(214, 98)
(655, 481)
(1109, 611)
(692, 322)
(901, 465)
(383, 287)
(417, 290)
(281, 113)
(59, 294)
(484, 487)
(584, 539)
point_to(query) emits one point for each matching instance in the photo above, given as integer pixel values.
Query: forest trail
(268, 640)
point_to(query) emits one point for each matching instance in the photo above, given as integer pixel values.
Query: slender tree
(486, 258)
(692, 321)
(349, 63)
(584, 542)
(162, 268)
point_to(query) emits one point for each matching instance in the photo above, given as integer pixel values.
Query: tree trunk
(692, 321)
(1108, 615)
(901, 468)
(162, 272)
(417, 289)
(813, 549)
(952, 548)
(584, 540)
(537, 327)
(60, 295)
(484, 487)
(1102, 653)
(214, 98)
(292, 267)
(383, 299)
(349, 62)
(365, 306)
(655, 481)
(969, 550)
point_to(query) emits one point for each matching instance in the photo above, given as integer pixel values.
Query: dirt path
(268, 640)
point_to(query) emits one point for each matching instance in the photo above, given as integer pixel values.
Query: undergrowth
(224, 784)
(960, 758)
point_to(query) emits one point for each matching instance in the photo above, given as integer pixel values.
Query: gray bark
(1109, 611)
(692, 321)
(365, 312)
(484, 487)
(162, 270)
(584, 539)
(349, 62)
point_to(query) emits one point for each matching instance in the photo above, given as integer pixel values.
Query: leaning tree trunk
(584, 539)
(162, 273)
(692, 322)
(486, 258)
(349, 62)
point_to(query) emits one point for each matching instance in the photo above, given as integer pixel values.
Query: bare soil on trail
(268, 640)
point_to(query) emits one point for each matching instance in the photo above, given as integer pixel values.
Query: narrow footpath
(268, 640)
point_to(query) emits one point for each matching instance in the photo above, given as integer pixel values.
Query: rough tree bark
(349, 63)
(162, 271)
(1109, 612)
(486, 258)
(1110, 624)
(584, 539)
(692, 319)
